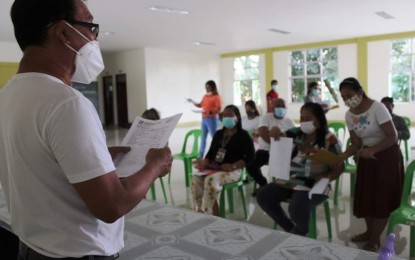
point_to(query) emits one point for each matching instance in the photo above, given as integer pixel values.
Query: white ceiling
(236, 25)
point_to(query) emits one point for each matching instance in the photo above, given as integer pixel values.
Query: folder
(325, 157)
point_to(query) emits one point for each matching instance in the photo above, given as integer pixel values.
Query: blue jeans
(270, 197)
(209, 126)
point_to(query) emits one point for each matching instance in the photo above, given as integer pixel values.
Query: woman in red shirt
(211, 106)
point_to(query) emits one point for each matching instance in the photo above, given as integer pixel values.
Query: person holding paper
(60, 183)
(311, 137)
(380, 168)
(211, 105)
(231, 149)
(268, 121)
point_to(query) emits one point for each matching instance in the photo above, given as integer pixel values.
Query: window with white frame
(402, 73)
(319, 64)
(246, 80)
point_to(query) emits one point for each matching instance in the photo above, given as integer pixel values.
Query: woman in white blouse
(380, 170)
(250, 122)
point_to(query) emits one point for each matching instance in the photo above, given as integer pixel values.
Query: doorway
(122, 105)
(108, 100)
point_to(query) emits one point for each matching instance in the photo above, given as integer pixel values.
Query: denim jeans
(209, 126)
(270, 197)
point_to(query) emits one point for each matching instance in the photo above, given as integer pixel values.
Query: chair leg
(163, 189)
(153, 192)
(312, 224)
(222, 212)
(230, 201)
(406, 151)
(169, 176)
(241, 191)
(412, 242)
(336, 192)
(186, 173)
(352, 184)
(328, 217)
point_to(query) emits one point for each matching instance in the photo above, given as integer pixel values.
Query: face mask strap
(78, 32)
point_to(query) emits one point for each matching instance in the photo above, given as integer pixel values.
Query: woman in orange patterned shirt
(211, 106)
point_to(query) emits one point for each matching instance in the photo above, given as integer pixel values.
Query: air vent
(167, 10)
(278, 31)
(384, 15)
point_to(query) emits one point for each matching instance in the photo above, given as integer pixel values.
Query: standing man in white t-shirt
(64, 196)
(268, 121)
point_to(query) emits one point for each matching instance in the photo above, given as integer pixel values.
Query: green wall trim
(269, 69)
(362, 63)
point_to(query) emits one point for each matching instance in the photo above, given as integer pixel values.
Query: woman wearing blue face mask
(231, 149)
(311, 136)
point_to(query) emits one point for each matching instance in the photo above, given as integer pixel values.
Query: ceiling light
(278, 31)
(384, 15)
(167, 10)
(202, 43)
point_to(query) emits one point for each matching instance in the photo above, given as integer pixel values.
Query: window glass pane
(246, 80)
(400, 86)
(298, 90)
(297, 70)
(313, 69)
(401, 62)
(297, 57)
(329, 54)
(330, 67)
(401, 46)
(313, 55)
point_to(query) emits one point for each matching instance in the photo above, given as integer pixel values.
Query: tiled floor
(344, 224)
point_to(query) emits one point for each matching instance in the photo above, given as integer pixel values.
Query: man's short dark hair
(31, 18)
(387, 100)
(274, 81)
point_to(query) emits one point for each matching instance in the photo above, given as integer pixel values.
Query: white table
(154, 231)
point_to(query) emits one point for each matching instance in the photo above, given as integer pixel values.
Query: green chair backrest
(407, 186)
(337, 128)
(407, 121)
(196, 134)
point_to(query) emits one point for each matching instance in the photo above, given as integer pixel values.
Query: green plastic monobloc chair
(188, 157)
(312, 224)
(338, 127)
(350, 168)
(153, 190)
(405, 142)
(405, 214)
(228, 188)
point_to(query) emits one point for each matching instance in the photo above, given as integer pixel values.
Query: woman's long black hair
(252, 105)
(235, 110)
(213, 87)
(321, 131)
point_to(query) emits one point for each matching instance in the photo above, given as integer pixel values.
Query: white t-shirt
(250, 125)
(367, 125)
(50, 137)
(270, 121)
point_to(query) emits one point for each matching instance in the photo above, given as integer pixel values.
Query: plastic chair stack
(405, 214)
(188, 157)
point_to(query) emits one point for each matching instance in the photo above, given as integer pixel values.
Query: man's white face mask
(88, 61)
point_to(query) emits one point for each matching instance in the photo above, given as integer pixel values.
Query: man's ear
(61, 31)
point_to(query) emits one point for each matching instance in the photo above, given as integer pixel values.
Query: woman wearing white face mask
(380, 171)
(231, 149)
(311, 136)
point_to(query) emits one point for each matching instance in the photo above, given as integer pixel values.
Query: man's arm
(401, 128)
(108, 198)
(264, 133)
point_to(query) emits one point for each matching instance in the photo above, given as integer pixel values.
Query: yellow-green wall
(7, 70)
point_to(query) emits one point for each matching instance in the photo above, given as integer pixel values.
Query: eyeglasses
(94, 27)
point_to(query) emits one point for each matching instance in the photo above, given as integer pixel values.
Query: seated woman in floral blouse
(310, 137)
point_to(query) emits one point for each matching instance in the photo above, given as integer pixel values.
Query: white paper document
(319, 187)
(280, 158)
(143, 135)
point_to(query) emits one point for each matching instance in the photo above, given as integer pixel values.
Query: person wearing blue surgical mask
(272, 95)
(231, 149)
(314, 95)
(276, 118)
